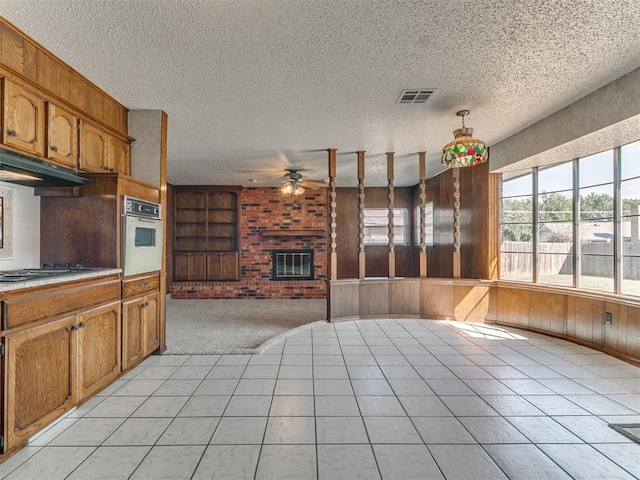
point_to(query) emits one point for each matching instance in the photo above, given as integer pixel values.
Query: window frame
(406, 240)
(576, 255)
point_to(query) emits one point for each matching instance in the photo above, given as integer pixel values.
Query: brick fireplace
(272, 222)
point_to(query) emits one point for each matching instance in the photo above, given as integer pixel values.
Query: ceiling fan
(295, 184)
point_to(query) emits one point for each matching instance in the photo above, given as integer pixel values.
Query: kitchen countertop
(54, 279)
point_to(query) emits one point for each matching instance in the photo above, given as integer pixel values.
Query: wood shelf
(293, 233)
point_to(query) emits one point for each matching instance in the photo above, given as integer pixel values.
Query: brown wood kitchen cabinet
(23, 119)
(98, 348)
(140, 318)
(62, 141)
(43, 383)
(102, 152)
(190, 266)
(62, 344)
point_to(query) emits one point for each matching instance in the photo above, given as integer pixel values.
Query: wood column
(361, 252)
(456, 222)
(423, 200)
(390, 198)
(333, 255)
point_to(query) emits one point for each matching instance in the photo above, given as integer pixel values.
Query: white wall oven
(141, 248)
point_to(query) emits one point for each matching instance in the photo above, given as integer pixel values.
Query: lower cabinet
(43, 380)
(98, 348)
(222, 266)
(192, 266)
(140, 319)
(56, 365)
(64, 343)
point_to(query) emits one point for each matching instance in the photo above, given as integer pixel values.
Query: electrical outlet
(608, 318)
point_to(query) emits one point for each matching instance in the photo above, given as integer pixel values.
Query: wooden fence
(557, 259)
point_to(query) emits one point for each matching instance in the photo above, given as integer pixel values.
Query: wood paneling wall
(377, 264)
(64, 220)
(478, 223)
(24, 59)
(440, 256)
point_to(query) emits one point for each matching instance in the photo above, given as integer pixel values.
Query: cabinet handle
(145, 304)
(144, 284)
(74, 327)
(54, 148)
(83, 324)
(12, 133)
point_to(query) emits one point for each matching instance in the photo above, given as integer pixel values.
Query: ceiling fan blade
(312, 186)
(314, 180)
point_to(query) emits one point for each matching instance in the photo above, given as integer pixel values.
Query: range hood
(31, 172)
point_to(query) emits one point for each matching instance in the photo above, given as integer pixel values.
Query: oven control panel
(140, 208)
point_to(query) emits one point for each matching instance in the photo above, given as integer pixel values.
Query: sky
(594, 170)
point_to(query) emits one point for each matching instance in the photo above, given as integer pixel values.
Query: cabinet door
(43, 383)
(190, 266)
(119, 155)
(62, 144)
(132, 348)
(222, 266)
(98, 348)
(24, 119)
(93, 149)
(229, 266)
(150, 318)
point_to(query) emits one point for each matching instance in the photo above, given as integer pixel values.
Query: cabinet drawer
(140, 285)
(29, 308)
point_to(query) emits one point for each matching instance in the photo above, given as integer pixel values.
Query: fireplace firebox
(292, 265)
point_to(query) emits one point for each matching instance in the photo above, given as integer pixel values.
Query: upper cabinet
(43, 102)
(119, 155)
(62, 144)
(101, 152)
(88, 148)
(24, 119)
(93, 149)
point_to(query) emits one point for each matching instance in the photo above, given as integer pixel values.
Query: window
(630, 218)
(555, 225)
(575, 224)
(596, 222)
(376, 226)
(428, 224)
(516, 228)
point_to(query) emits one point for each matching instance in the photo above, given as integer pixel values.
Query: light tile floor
(390, 399)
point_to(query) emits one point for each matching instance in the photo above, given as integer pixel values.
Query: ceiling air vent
(414, 96)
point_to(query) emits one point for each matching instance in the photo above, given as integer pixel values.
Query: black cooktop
(25, 274)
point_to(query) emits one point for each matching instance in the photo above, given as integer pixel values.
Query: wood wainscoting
(574, 315)
(435, 298)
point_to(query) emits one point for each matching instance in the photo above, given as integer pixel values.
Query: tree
(596, 206)
(555, 207)
(517, 219)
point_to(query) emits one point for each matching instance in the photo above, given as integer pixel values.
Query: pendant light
(464, 150)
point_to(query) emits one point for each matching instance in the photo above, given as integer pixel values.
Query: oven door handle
(148, 220)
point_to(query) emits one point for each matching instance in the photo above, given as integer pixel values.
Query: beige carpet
(234, 326)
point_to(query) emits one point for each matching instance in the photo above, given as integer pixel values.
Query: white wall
(25, 227)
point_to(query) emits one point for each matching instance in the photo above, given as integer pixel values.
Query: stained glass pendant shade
(464, 150)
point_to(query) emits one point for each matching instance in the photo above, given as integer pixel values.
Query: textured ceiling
(252, 87)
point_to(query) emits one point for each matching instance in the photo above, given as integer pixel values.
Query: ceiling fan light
(287, 188)
(464, 150)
